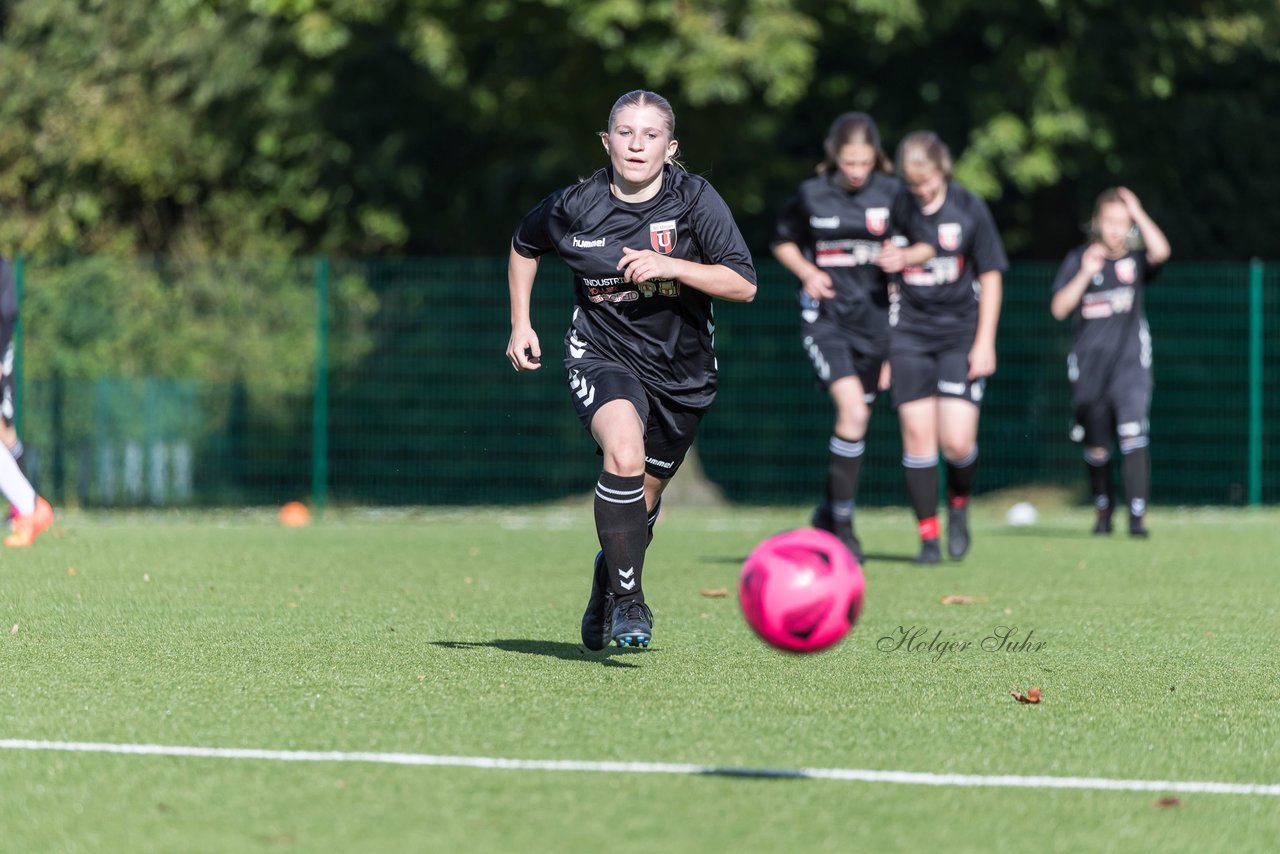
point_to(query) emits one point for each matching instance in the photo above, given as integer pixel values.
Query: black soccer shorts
(7, 325)
(1109, 399)
(920, 372)
(834, 355)
(669, 429)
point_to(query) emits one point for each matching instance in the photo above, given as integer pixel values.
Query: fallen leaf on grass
(715, 593)
(1032, 696)
(14, 630)
(1165, 803)
(963, 600)
(71, 570)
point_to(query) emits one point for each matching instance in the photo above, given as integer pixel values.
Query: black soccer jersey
(939, 299)
(1109, 323)
(841, 231)
(659, 329)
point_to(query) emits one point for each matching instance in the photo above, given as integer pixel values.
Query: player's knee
(1133, 436)
(625, 459)
(1097, 456)
(853, 425)
(959, 452)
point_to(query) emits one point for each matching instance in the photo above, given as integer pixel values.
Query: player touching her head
(649, 246)
(1100, 286)
(942, 343)
(841, 235)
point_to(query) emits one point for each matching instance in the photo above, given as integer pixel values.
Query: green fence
(384, 382)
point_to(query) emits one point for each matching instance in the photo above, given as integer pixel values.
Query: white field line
(501, 764)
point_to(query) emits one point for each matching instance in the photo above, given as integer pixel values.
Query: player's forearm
(716, 280)
(989, 307)
(790, 256)
(1068, 297)
(521, 272)
(917, 254)
(1158, 249)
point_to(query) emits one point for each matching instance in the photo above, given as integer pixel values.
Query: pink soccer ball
(801, 590)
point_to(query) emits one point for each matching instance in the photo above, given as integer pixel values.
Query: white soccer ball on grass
(1021, 514)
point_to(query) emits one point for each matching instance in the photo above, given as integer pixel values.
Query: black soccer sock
(621, 525)
(844, 465)
(1100, 482)
(922, 485)
(961, 474)
(1137, 475)
(653, 519)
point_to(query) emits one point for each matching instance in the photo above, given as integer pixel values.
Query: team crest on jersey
(949, 235)
(877, 220)
(1125, 270)
(662, 236)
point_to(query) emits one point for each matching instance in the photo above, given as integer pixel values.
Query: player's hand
(642, 265)
(523, 350)
(818, 286)
(892, 259)
(1130, 199)
(1092, 260)
(886, 376)
(982, 360)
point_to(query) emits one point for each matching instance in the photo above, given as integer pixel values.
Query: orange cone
(295, 514)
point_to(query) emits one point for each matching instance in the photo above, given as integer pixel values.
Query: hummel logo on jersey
(662, 236)
(585, 391)
(586, 243)
(824, 222)
(628, 581)
(576, 346)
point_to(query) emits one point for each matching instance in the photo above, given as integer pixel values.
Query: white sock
(15, 486)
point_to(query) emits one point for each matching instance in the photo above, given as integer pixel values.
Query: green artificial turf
(456, 633)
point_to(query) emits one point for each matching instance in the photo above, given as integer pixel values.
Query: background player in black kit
(835, 235)
(943, 320)
(30, 514)
(649, 246)
(1100, 286)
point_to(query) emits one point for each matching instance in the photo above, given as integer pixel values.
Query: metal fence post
(320, 404)
(1255, 381)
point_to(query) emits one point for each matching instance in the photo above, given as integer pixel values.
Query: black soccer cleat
(957, 532)
(595, 620)
(1137, 528)
(824, 521)
(632, 623)
(1102, 524)
(930, 553)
